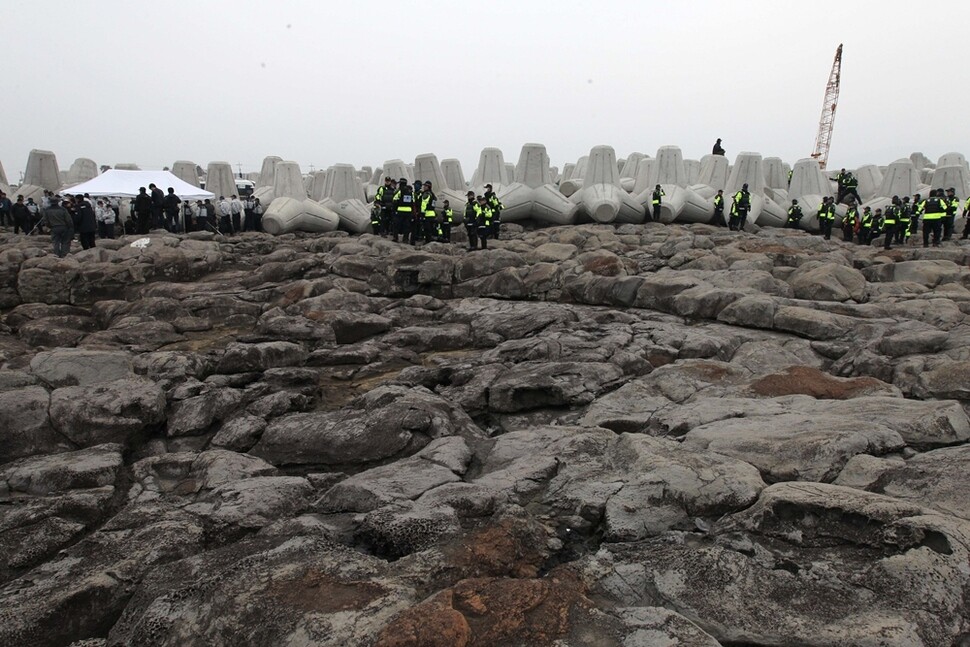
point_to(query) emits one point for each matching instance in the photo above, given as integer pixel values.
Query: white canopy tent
(125, 184)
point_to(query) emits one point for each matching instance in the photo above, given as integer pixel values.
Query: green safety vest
(933, 209)
(404, 200)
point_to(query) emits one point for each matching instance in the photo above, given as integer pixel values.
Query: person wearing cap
(826, 216)
(85, 221)
(794, 215)
(382, 203)
(890, 222)
(934, 211)
(903, 214)
(484, 221)
(850, 222)
(142, 205)
(21, 217)
(427, 202)
(471, 220)
(403, 204)
(865, 226)
(496, 207)
(740, 206)
(719, 210)
(717, 149)
(656, 200)
(952, 206)
(61, 225)
(445, 219)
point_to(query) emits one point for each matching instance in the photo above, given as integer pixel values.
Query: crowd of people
(897, 223)
(411, 214)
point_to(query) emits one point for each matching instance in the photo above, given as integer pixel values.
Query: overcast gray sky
(364, 81)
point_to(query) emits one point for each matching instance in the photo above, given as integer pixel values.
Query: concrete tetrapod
(82, 170)
(186, 171)
(693, 170)
(427, 169)
(601, 197)
(900, 178)
(454, 178)
(219, 179)
(532, 194)
(749, 169)
(775, 175)
(715, 171)
(491, 170)
(576, 179)
(809, 185)
(345, 196)
(396, 169)
(952, 171)
(318, 185)
(41, 174)
(267, 172)
(870, 179)
(628, 174)
(127, 166)
(679, 202)
(285, 215)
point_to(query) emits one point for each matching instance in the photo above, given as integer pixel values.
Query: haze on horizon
(148, 83)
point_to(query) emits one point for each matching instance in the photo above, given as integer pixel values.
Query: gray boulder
(107, 411)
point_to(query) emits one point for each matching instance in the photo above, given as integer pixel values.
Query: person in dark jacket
(717, 148)
(143, 210)
(85, 222)
(6, 215)
(61, 225)
(158, 206)
(21, 217)
(471, 220)
(171, 203)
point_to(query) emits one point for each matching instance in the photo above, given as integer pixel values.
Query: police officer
(890, 220)
(826, 216)
(934, 210)
(740, 207)
(484, 221)
(918, 206)
(966, 218)
(719, 209)
(427, 203)
(865, 226)
(849, 222)
(496, 207)
(403, 204)
(447, 217)
(952, 204)
(471, 220)
(794, 215)
(657, 200)
(383, 199)
(903, 214)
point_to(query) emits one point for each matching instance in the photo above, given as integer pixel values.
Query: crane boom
(823, 141)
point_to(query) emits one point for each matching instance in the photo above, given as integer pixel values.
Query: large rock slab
(108, 411)
(809, 564)
(386, 422)
(76, 366)
(25, 428)
(795, 447)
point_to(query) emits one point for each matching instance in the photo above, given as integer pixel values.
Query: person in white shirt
(105, 216)
(225, 215)
(236, 206)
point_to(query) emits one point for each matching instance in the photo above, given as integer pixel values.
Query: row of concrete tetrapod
(597, 188)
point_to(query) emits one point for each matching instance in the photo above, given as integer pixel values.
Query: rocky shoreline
(628, 435)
